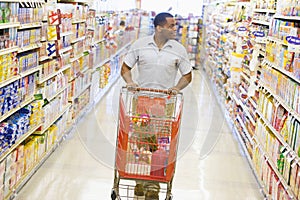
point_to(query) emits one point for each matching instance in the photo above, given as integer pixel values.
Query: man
(158, 58)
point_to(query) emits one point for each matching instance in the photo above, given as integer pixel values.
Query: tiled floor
(210, 165)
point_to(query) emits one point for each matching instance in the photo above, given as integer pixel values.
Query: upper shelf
(74, 1)
(295, 18)
(261, 22)
(78, 21)
(264, 10)
(31, 25)
(23, 1)
(10, 25)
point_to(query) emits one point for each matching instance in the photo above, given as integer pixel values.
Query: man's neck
(159, 41)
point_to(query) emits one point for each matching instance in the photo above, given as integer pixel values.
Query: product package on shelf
(10, 12)
(62, 125)
(64, 42)
(80, 103)
(8, 66)
(91, 18)
(8, 38)
(14, 127)
(27, 61)
(49, 57)
(54, 109)
(9, 15)
(288, 8)
(295, 178)
(48, 68)
(79, 30)
(104, 74)
(50, 88)
(66, 23)
(28, 85)
(28, 37)
(10, 173)
(287, 89)
(22, 160)
(295, 131)
(40, 146)
(28, 15)
(37, 113)
(80, 84)
(65, 59)
(78, 67)
(51, 136)
(2, 171)
(98, 30)
(265, 4)
(20, 91)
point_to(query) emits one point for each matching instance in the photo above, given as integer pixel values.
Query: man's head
(122, 23)
(165, 25)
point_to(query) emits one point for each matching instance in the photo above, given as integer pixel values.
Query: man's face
(169, 29)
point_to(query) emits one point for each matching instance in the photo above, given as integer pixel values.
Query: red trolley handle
(150, 90)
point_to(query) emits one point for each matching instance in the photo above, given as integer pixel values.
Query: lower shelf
(240, 140)
(25, 178)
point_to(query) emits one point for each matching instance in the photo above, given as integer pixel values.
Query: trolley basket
(147, 138)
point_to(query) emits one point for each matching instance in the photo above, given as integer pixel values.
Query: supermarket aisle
(210, 165)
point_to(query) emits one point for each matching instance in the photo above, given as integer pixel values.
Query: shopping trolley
(147, 140)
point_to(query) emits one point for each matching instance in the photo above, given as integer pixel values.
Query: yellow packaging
(48, 140)
(41, 146)
(36, 146)
(32, 36)
(51, 138)
(29, 154)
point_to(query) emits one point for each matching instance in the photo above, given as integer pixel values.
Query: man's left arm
(183, 82)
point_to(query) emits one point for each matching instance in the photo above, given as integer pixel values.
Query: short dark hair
(160, 19)
(122, 23)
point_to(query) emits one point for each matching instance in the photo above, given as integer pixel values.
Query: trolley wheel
(113, 195)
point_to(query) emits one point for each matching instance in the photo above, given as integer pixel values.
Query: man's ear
(158, 28)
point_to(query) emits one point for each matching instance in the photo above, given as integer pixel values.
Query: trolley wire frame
(147, 138)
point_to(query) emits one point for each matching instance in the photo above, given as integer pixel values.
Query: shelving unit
(192, 41)
(263, 88)
(58, 81)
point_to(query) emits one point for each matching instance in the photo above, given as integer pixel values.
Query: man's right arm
(126, 74)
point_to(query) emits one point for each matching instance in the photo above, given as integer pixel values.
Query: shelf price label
(293, 40)
(259, 33)
(38, 96)
(293, 43)
(260, 36)
(242, 28)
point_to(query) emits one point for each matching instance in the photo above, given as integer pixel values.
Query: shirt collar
(151, 41)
